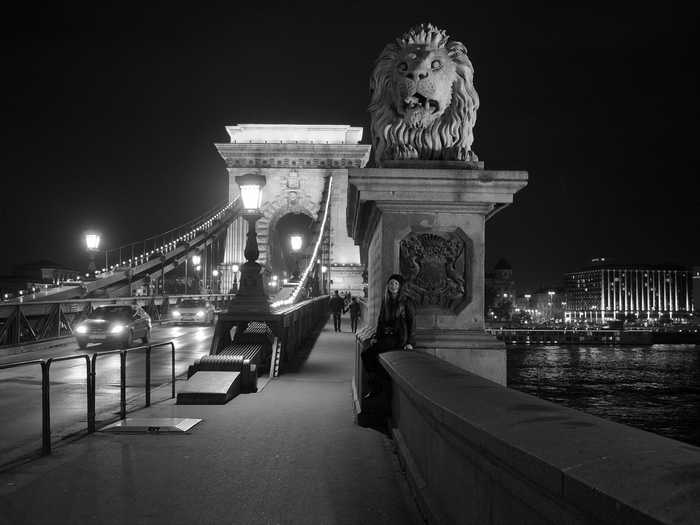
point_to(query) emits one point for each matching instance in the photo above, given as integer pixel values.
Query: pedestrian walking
(354, 309)
(395, 331)
(335, 305)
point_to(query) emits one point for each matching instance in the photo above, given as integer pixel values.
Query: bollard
(91, 395)
(148, 376)
(45, 410)
(122, 384)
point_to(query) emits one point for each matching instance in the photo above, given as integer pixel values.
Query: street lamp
(162, 274)
(235, 278)
(251, 292)
(196, 259)
(551, 295)
(92, 241)
(215, 281)
(296, 241)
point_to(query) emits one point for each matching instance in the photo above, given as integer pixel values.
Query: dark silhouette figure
(354, 309)
(336, 305)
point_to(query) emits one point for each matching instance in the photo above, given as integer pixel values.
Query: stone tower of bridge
(296, 161)
(422, 210)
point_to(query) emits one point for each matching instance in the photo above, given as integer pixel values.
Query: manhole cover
(156, 425)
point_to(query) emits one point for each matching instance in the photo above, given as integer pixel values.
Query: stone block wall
(376, 280)
(478, 452)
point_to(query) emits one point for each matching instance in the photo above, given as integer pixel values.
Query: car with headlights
(199, 311)
(114, 324)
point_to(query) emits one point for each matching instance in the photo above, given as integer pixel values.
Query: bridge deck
(288, 454)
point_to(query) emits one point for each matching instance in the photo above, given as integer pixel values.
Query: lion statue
(423, 102)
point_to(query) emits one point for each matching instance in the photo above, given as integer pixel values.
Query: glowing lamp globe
(92, 241)
(296, 241)
(251, 190)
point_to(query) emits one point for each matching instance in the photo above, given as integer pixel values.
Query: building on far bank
(37, 275)
(545, 305)
(607, 291)
(696, 287)
(45, 271)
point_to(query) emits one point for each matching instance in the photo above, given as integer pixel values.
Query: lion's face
(423, 102)
(423, 78)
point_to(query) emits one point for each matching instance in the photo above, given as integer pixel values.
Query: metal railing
(90, 379)
(314, 256)
(38, 321)
(130, 253)
(131, 262)
(294, 326)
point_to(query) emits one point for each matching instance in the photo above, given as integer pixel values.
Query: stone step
(210, 388)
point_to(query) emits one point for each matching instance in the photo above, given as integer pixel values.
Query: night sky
(110, 116)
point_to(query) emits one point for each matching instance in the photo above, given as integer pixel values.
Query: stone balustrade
(478, 452)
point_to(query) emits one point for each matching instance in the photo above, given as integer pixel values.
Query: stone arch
(278, 213)
(278, 252)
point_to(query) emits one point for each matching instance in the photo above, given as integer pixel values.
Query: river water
(654, 388)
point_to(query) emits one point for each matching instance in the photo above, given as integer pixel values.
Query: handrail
(111, 300)
(91, 376)
(71, 311)
(122, 373)
(46, 424)
(169, 242)
(185, 225)
(312, 261)
(194, 226)
(45, 409)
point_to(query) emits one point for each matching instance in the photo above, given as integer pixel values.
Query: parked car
(193, 311)
(116, 324)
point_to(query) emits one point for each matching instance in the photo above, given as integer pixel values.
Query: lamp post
(196, 259)
(215, 280)
(162, 274)
(251, 293)
(296, 241)
(550, 303)
(92, 241)
(235, 269)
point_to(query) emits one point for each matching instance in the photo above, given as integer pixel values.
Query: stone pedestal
(428, 224)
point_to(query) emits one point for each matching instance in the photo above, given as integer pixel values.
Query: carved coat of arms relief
(437, 268)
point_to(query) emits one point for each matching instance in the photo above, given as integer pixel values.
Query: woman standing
(395, 331)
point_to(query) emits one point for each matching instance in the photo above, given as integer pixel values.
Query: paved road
(20, 388)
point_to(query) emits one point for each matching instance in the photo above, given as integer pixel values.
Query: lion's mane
(450, 136)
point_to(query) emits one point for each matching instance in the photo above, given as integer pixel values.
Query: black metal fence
(90, 379)
(36, 321)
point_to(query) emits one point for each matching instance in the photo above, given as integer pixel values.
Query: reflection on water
(655, 388)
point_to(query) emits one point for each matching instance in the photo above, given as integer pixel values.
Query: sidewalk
(286, 455)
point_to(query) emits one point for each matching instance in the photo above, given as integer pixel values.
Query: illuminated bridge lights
(291, 299)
